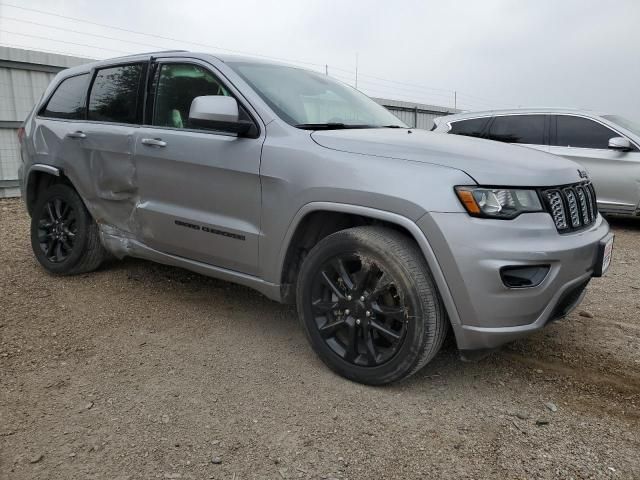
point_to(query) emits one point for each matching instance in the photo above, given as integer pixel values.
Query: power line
(449, 93)
(17, 45)
(135, 32)
(63, 29)
(62, 41)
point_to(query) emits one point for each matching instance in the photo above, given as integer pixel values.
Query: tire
(370, 287)
(64, 237)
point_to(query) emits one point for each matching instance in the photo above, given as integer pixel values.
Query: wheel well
(313, 228)
(39, 182)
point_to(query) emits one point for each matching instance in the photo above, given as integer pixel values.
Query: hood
(487, 162)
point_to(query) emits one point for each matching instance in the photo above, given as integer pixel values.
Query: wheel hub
(57, 230)
(358, 310)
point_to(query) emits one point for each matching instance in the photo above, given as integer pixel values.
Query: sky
(491, 53)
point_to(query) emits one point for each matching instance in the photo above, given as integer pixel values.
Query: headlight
(503, 203)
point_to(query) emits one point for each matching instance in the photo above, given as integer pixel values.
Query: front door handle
(77, 134)
(154, 142)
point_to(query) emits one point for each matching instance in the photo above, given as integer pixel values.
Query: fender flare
(406, 223)
(37, 167)
(41, 167)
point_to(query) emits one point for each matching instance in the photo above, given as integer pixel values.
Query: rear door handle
(154, 142)
(77, 134)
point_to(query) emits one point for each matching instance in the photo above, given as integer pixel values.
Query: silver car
(607, 146)
(299, 186)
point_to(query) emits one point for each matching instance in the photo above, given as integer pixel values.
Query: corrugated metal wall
(416, 115)
(24, 75)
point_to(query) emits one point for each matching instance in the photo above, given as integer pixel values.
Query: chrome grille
(572, 207)
(582, 198)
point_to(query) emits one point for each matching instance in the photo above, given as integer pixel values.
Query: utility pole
(356, 71)
(455, 99)
(326, 69)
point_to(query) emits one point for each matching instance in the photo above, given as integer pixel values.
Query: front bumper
(471, 252)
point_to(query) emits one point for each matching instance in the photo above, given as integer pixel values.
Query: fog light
(523, 276)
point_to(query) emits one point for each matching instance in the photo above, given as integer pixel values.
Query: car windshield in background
(313, 101)
(625, 123)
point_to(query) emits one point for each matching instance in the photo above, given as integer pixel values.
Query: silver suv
(607, 146)
(298, 186)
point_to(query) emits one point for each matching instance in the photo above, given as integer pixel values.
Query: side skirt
(120, 245)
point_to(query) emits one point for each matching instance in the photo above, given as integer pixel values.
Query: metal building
(25, 74)
(416, 115)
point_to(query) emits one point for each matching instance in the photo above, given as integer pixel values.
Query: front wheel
(64, 237)
(368, 305)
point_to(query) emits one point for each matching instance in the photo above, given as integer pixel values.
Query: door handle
(77, 134)
(154, 142)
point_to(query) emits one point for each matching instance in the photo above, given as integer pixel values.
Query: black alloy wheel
(64, 237)
(359, 310)
(57, 230)
(368, 304)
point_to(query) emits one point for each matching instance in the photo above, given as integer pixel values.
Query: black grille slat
(572, 207)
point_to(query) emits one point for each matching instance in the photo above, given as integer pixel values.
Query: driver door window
(581, 133)
(176, 85)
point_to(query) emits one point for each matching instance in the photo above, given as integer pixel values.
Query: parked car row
(607, 146)
(306, 190)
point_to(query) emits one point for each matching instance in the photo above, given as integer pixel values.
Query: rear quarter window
(469, 128)
(67, 100)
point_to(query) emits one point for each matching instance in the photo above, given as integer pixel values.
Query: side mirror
(620, 143)
(217, 112)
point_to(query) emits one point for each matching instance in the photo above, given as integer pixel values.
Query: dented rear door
(113, 117)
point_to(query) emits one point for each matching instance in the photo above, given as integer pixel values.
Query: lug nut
(368, 313)
(348, 297)
(357, 321)
(362, 299)
(347, 312)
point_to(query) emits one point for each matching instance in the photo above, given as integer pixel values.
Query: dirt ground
(144, 371)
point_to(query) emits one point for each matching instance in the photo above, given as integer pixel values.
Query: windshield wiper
(329, 126)
(391, 126)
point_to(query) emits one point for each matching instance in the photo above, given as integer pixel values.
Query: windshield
(624, 123)
(307, 99)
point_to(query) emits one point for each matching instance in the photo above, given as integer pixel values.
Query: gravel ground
(144, 371)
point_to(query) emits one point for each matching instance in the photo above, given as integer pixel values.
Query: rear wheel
(369, 306)
(64, 236)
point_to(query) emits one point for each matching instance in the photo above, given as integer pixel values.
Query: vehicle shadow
(624, 222)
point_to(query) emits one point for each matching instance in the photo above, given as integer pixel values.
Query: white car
(608, 146)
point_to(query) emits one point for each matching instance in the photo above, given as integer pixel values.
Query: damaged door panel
(108, 153)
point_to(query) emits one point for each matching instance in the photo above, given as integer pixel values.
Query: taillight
(20, 134)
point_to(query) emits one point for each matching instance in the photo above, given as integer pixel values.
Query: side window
(469, 128)
(68, 99)
(176, 86)
(518, 129)
(582, 132)
(114, 94)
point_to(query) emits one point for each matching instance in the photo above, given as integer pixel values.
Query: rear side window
(469, 128)
(114, 94)
(518, 129)
(581, 132)
(68, 99)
